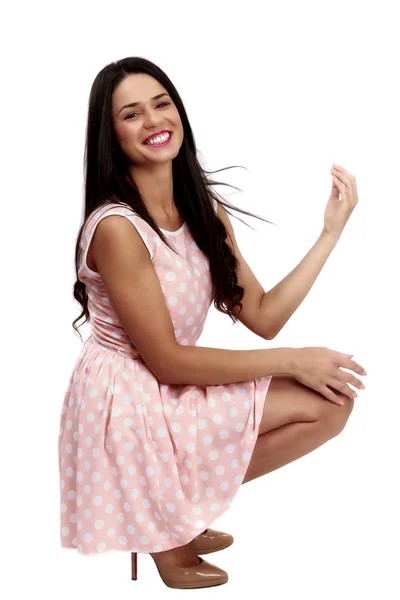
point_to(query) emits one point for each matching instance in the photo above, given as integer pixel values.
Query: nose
(151, 119)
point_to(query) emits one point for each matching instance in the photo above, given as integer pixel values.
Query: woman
(156, 433)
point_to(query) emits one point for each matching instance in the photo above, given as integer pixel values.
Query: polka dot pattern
(145, 467)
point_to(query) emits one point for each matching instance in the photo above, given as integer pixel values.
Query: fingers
(349, 378)
(354, 366)
(329, 395)
(343, 175)
(342, 386)
(347, 363)
(344, 180)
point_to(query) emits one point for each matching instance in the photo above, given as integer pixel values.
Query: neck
(156, 188)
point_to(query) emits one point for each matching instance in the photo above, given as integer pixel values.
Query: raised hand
(337, 212)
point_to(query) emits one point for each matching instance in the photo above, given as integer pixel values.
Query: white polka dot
(200, 524)
(184, 519)
(230, 448)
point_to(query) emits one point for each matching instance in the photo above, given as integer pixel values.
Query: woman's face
(135, 124)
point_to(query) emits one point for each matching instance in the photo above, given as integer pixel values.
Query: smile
(159, 140)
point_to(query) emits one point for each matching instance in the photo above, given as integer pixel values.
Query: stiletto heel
(134, 565)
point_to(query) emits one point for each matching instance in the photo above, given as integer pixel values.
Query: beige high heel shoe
(202, 575)
(212, 540)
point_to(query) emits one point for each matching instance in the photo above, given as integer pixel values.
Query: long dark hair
(107, 177)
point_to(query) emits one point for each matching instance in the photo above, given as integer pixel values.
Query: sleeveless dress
(146, 467)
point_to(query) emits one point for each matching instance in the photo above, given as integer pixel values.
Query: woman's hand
(321, 369)
(337, 212)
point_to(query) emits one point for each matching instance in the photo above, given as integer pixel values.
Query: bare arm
(135, 293)
(279, 303)
(213, 366)
(266, 313)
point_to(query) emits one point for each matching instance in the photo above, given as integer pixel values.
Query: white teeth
(159, 139)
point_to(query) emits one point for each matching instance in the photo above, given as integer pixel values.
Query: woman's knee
(337, 419)
(288, 401)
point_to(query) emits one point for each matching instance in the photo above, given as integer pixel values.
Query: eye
(135, 113)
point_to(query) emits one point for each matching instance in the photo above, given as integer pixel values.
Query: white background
(285, 89)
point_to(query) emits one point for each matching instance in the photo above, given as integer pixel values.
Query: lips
(153, 135)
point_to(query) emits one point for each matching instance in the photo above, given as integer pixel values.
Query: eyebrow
(137, 103)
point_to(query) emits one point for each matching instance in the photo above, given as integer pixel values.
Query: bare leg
(296, 421)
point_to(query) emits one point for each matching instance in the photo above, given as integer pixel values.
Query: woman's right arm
(135, 293)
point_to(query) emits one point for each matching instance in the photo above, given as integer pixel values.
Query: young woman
(158, 434)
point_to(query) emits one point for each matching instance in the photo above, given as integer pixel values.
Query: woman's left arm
(279, 303)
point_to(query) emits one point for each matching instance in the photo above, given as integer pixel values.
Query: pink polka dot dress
(145, 467)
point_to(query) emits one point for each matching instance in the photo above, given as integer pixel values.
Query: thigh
(288, 401)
